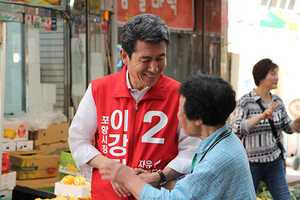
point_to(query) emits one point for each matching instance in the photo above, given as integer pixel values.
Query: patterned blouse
(259, 142)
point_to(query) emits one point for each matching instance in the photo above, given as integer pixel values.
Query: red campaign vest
(140, 136)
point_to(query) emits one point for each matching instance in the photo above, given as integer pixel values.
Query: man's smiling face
(146, 64)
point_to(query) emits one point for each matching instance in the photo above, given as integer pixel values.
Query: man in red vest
(131, 116)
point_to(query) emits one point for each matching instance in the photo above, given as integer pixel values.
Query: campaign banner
(176, 14)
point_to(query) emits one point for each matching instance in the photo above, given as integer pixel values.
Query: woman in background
(251, 123)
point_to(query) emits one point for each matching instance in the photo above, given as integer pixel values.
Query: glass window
(14, 72)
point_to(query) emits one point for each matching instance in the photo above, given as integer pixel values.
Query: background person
(132, 114)
(220, 169)
(251, 124)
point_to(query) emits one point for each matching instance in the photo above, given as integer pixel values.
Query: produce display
(264, 193)
(72, 186)
(77, 180)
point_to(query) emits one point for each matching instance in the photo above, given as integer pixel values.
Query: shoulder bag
(279, 144)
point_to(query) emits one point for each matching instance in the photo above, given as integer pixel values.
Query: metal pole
(203, 33)
(87, 41)
(2, 81)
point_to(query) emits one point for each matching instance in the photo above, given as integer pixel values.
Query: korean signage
(47, 23)
(176, 14)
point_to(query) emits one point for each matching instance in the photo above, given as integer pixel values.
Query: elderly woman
(220, 168)
(258, 120)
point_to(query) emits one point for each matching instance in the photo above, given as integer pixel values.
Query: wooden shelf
(39, 182)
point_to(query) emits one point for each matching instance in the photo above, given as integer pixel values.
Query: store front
(50, 51)
(47, 61)
(198, 34)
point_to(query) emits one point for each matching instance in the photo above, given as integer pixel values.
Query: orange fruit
(79, 180)
(73, 198)
(60, 198)
(68, 179)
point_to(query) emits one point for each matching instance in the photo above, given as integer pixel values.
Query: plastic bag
(37, 118)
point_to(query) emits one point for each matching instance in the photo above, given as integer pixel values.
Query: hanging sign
(104, 29)
(30, 20)
(176, 14)
(53, 24)
(48, 24)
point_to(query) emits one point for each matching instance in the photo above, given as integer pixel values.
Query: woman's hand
(268, 113)
(296, 124)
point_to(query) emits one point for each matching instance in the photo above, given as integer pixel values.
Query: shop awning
(277, 20)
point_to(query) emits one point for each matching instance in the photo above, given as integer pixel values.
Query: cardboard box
(67, 165)
(34, 164)
(55, 133)
(5, 162)
(14, 129)
(6, 194)
(9, 146)
(8, 180)
(71, 190)
(25, 145)
(54, 148)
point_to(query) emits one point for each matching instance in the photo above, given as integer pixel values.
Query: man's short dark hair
(261, 69)
(144, 27)
(208, 98)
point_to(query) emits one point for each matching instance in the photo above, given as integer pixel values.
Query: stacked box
(54, 148)
(52, 140)
(34, 164)
(9, 146)
(26, 145)
(72, 190)
(67, 166)
(53, 134)
(8, 180)
(6, 194)
(14, 129)
(5, 162)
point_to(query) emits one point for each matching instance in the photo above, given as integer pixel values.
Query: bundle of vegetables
(296, 193)
(265, 194)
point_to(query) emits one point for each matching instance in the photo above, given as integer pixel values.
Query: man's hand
(124, 176)
(119, 190)
(151, 178)
(115, 172)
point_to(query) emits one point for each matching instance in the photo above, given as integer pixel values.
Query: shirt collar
(204, 144)
(257, 97)
(129, 85)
